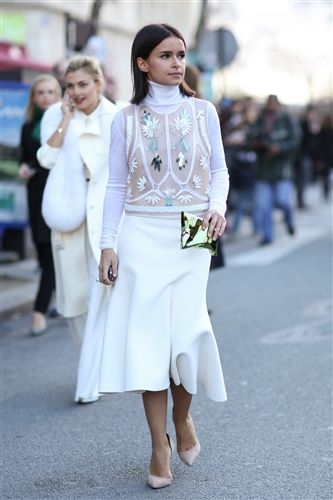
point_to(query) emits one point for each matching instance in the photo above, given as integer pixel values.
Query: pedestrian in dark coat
(275, 139)
(44, 91)
(307, 154)
(326, 153)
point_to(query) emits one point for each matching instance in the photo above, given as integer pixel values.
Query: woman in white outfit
(75, 137)
(166, 157)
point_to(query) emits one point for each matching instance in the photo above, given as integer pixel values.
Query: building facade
(50, 32)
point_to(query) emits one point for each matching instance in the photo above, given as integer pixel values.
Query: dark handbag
(219, 260)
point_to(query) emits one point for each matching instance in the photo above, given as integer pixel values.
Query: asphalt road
(272, 439)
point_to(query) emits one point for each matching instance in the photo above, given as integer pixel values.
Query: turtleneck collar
(163, 95)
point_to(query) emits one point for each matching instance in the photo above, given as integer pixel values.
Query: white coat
(91, 136)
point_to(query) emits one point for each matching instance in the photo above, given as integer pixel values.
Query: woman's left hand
(216, 223)
(25, 172)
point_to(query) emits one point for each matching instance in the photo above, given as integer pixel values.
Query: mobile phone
(69, 99)
(110, 274)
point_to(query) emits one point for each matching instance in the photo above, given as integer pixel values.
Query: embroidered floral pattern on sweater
(133, 165)
(196, 182)
(142, 183)
(204, 163)
(169, 192)
(129, 134)
(187, 162)
(181, 160)
(156, 162)
(202, 127)
(151, 128)
(185, 198)
(182, 124)
(153, 199)
(181, 128)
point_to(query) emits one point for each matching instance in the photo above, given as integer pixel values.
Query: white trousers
(87, 329)
(90, 356)
(77, 326)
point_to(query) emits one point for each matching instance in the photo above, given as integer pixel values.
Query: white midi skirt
(157, 325)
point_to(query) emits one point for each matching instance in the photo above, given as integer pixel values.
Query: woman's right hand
(108, 258)
(25, 172)
(56, 140)
(67, 106)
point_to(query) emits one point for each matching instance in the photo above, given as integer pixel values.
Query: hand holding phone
(108, 266)
(69, 99)
(68, 105)
(110, 274)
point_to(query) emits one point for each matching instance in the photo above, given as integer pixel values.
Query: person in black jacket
(325, 165)
(307, 154)
(45, 90)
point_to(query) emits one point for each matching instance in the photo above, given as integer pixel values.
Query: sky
(285, 48)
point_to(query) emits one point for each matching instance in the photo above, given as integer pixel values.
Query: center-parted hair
(144, 43)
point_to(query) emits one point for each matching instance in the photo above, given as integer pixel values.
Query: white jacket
(84, 145)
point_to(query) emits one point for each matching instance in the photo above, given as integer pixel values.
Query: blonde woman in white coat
(75, 145)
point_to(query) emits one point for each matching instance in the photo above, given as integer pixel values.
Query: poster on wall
(13, 103)
(13, 201)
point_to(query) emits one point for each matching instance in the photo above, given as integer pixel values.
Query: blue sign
(13, 104)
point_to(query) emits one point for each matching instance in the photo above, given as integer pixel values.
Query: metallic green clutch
(193, 234)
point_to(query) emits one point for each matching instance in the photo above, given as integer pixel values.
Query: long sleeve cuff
(219, 188)
(47, 156)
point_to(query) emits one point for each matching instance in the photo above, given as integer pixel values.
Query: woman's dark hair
(144, 43)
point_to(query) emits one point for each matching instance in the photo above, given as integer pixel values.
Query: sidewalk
(314, 203)
(19, 284)
(19, 280)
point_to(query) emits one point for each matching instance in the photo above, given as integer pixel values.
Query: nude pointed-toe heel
(190, 456)
(159, 482)
(156, 482)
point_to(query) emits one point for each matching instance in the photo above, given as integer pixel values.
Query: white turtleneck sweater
(162, 99)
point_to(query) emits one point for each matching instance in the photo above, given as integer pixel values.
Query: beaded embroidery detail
(153, 199)
(185, 198)
(142, 183)
(163, 209)
(156, 162)
(133, 165)
(202, 126)
(169, 192)
(129, 135)
(196, 182)
(204, 163)
(151, 129)
(149, 176)
(182, 127)
(181, 160)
